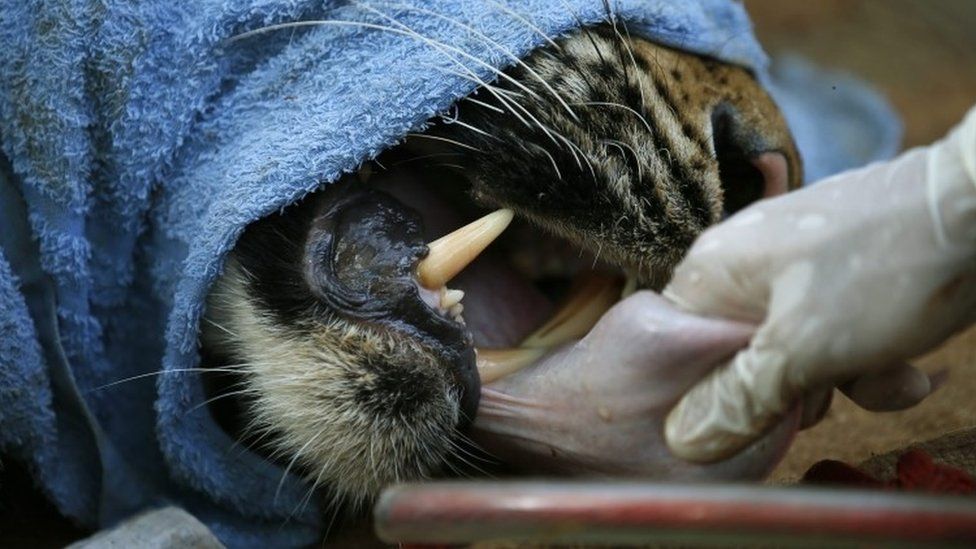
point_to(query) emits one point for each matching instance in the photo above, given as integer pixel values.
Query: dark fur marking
(394, 390)
(687, 187)
(607, 71)
(270, 252)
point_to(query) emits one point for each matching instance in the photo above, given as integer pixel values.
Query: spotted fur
(627, 160)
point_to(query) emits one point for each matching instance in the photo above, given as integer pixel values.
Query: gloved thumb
(730, 408)
(896, 387)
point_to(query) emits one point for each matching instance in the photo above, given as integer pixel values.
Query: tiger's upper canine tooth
(591, 296)
(450, 298)
(494, 364)
(451, 253)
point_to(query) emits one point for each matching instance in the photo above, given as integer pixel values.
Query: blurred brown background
(922, 55)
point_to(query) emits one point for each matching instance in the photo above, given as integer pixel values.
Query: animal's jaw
(327, 403)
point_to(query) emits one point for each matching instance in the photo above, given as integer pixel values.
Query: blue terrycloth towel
(140, 137)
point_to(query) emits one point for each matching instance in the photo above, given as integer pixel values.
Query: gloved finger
(705, 281)
(815, 406)
(755, 462)
(673, 348)
(896, 387)
(730, 408)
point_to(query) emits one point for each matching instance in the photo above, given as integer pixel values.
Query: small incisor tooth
(450, 298)
(451, 253)
(592, 295)
(494, 364)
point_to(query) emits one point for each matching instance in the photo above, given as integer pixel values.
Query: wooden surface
(922, 55)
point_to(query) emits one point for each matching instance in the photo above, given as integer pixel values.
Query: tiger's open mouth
(518, 291)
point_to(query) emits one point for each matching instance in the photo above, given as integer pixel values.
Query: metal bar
(642, 513)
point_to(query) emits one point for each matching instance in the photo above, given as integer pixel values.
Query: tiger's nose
(751, 161)
(775, 172)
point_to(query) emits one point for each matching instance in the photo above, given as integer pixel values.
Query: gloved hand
(597, 406)
(847, 279)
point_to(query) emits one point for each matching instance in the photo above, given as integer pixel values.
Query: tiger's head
(611, 152)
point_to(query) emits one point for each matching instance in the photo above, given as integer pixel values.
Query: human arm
(846, 279)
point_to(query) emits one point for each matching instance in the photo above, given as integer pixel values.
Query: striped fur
(624, 160)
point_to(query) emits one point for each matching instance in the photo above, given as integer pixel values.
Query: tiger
(598, 157)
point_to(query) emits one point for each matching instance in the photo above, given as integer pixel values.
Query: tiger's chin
(349, 407)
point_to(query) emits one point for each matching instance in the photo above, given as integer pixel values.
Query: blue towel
(838, 122)
(139, 138)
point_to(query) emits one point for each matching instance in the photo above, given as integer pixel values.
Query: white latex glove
(597, 406)
(847, 280)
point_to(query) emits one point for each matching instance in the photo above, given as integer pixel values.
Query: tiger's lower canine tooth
(494, 364)
(592, 295)
(451, 253)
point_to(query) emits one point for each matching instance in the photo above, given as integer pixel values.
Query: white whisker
(437, 44)
(160, 372)
(245, 391)
(621, 106)
(425, 157)
(483, 104)
(470, 127)
(621, 145)
(446, 140)
(213, 323)
(508, 53)
(529, 24)
(630, 53)
(555, 166)
(291, 463)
